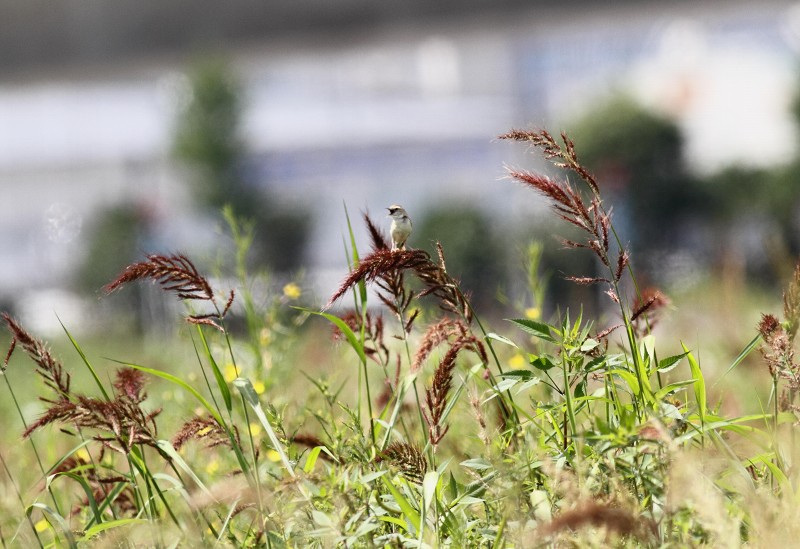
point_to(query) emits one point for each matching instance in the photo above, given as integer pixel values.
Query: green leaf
(629, 378)
(369, 477)
(85, 360)
(97, 516)
(166, 447)
(542, 363)
(362, 286)
(538, 329)
(501, 339)
(670, 362)
(221, 383)
(58, 519)
(746, 351)
(321, 519)
(699, 383)
(344, 328)
(178, 381)
(672, 387)
(429, 484)
(99, 528)
(504, 385)
(394, 520)
(589, 344)
(311, 460)
(251, 397)
(476, 463)
(520, 375)
(408, 510)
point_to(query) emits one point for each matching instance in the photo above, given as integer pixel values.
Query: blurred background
(126, 126)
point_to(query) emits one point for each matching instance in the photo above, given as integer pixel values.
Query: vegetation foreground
(449, 440)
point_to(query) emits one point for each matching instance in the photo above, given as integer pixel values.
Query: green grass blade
(58, 519)
(362, 286)
(251, 397)
(345, 329)
(179, 382)
(85, 360)
(741, 356)
(166, 447)
(96, 514)
(408, 510)
(221, 383)
(699, 383)
(100, 528)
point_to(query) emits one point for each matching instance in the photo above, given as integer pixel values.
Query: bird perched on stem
(401, 226)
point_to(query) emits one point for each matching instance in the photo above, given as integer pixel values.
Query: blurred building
(355, 102)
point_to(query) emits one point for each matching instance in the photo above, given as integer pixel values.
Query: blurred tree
(115, 239)
(113, 243)
(638, 157)
(751, 212)
(207, 139)
(473, 250)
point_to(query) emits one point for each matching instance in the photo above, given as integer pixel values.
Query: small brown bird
(401, 226)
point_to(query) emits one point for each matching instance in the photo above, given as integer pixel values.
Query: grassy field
(394, 416)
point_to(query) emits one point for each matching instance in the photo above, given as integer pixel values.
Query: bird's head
(396, 211)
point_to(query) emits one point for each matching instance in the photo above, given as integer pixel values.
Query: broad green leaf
(321, 518)
(538, 329)
(670, 362)
(429, 484)
(589, 344)
(80, 479)
(542, 363)
(501, 339)
(521, 375)
(505, 385)
(311, 459)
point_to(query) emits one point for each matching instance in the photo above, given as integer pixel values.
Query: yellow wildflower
(533, 313)
(212, 467)
(517, 361)
(292, 291)
(230, 372)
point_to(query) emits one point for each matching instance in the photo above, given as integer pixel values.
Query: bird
(401, 226)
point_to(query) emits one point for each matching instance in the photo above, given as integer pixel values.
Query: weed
(427, 429)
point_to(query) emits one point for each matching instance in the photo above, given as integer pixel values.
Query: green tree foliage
(114, 241)
(207, 139)
(639, 155)
(475, 254)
